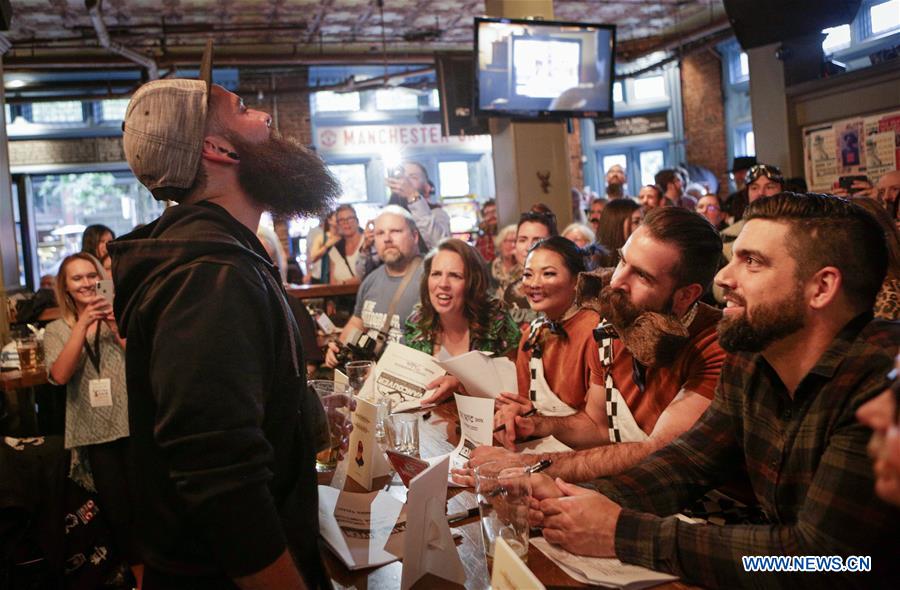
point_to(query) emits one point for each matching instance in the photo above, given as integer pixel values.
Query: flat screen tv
(537, 68)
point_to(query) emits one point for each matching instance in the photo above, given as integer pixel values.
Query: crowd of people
(727, 359)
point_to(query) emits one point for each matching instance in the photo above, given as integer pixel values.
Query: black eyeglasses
(770, 172)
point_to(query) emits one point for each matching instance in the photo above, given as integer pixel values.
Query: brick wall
(704, 114)
(66, 151)
(576, 165)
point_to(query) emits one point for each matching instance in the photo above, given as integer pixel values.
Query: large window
(69, 111)
(651, 161)
(453, 178)
(836, 38)
(113, 109)
(353, 181)
(650, 88)
(65, 204)
(396, 99)
(885, 17)
(336, 102)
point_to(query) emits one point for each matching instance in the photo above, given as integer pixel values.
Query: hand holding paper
(481, 374)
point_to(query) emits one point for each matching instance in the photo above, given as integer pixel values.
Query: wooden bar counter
(439, 434)
(320, 291)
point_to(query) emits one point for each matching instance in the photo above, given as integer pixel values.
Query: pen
(458, 516)
(539, 466)
(530, 412)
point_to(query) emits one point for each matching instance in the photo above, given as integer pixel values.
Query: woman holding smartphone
(84, 352)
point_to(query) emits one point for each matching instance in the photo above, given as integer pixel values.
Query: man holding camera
(388, 294)
(411, 189)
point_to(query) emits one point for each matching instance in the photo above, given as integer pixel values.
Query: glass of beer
(335, 398)
(503, 490)
(29, 350)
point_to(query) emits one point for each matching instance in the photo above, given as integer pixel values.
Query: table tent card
(476, 421)
(510, 572)
(402, 374)
(365, 460)
(363, 530)
(428, 546)
(481, 374)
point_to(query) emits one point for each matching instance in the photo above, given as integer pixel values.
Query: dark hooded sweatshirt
(223, 430)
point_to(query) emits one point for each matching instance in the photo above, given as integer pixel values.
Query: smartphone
(846, 183)
(105, 289)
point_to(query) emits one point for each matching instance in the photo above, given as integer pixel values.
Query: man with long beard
(224, 432)
(659, 359)
(806, 355)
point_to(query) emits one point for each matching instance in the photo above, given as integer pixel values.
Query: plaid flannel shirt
(806, 458)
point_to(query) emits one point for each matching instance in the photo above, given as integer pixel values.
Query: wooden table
(438, 435)
(13, 380)
(320, 291)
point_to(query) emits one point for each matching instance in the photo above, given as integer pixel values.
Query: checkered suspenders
(622, 426)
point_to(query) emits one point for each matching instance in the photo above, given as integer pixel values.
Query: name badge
(100, 391)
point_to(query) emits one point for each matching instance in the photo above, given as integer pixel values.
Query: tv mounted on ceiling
(543, 69)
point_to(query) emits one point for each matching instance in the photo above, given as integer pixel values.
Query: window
(885, 16)
(57, 112)
(651, 162)
(335, 102)
(745, 141)
(837, 38)
(113, 109)
(650, 88)
(65, 204)
(744, 65)
(396, 99)
(453, 178)
(353, 182)
(435, 98)
(618, 96)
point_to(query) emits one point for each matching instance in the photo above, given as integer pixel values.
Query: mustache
(729, 293)
(617, 307)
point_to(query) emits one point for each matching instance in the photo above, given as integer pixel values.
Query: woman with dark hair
(94, 239)
(537, 224)
(552, 359)
(456, 313)
(620, 218)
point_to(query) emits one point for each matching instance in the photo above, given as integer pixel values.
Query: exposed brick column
(576, 166)
(704, 114)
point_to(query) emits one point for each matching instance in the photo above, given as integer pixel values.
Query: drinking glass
(335, 398)
(403, 433)
(357, 373)
(503, 491)
(28, 347)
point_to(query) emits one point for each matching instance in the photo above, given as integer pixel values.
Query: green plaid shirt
(806, 459)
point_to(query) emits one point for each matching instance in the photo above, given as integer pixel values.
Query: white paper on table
(365, 459)
(481, 374)
(476, 421)
(428, 546)
(603, 571)
(363, 530)
(340, 377)
(548, 444)
(402, 374)
(510, 572)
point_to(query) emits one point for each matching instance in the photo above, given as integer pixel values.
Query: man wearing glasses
(709, 207)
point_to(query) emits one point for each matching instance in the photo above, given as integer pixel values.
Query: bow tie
(539, 328)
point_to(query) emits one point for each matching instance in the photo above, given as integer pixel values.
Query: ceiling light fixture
(16, 83)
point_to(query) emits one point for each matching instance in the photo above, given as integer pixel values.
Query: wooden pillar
(531, 159)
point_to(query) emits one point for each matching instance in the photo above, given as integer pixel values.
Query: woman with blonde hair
(84, 352)
(505, 269)
(579, 233)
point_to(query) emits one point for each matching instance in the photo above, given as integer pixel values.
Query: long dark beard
(615, 190)
(654, 338)
(285, 177)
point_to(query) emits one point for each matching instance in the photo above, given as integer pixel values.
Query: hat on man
(771, 172)
(742, 163)
(164, 126)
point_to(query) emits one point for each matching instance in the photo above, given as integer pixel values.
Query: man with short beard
(659, 360)
(807, 354)
(615, 183)
(397, 244)
(224, 432)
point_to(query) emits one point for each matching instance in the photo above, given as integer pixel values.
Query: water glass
(335, 398)
(357, 373)
(403, 433)
(503, 491)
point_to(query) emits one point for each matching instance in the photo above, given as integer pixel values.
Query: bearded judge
(659, 360)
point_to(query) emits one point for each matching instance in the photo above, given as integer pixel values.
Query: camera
(360, 346)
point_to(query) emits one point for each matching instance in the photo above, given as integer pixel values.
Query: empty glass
(403, 433)
(503, 491)
(335, 398)
(357, 373)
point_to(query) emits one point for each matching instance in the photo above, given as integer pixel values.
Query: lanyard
(94, 355)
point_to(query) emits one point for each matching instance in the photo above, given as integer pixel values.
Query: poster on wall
(867, 146)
